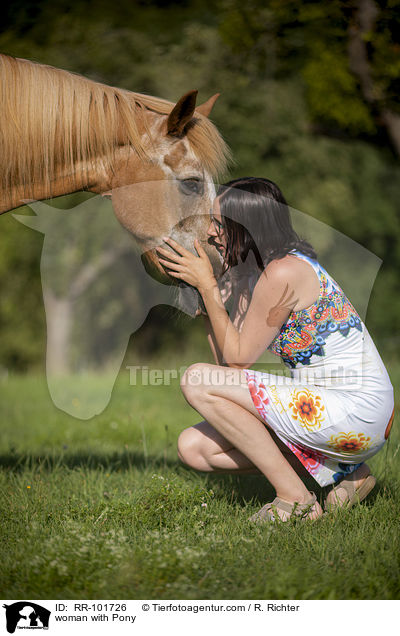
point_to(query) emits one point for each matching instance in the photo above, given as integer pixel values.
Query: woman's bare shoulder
(278, 274)
(292, 271)
(288, 268)
(294, 274)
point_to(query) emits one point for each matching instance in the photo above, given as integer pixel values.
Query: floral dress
(336, 408)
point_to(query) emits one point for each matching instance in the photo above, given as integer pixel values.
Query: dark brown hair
(255, 217)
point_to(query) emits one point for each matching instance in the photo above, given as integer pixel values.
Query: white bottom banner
(193, 617)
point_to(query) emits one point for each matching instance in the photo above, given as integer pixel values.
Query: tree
(348, 54)
(292, 108)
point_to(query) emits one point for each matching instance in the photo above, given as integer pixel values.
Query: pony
(63, 133)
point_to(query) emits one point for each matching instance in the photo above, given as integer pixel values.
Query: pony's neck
(94, 175)
(92, 178)
(55, 123)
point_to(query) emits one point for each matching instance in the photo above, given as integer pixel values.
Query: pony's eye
(191, 186)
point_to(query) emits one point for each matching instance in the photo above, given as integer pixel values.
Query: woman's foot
(351, 489)
(282, 510)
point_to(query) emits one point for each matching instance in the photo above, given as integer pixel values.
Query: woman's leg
(201, 447)
(222, 397)
(338, 495)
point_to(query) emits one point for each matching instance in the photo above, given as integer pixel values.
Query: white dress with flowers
(336, 408)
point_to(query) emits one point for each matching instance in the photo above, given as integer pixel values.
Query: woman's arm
(239, 294)
(212, 341)
(225, 287)
(241, 303)
(236, 319)
(272, 301)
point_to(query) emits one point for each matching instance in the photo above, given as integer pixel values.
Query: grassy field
(103, 509)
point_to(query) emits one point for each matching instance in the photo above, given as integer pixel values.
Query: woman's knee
(195, 381)
(190, 450)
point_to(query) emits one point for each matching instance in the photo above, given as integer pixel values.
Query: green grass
(103, 509)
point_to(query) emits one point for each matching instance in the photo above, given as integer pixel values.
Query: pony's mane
(53, 119)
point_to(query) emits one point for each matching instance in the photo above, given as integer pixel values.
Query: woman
(334, 411)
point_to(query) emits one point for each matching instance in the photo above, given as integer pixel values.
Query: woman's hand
(183, 265)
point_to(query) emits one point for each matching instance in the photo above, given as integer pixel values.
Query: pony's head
(170, 190)
(63, 133)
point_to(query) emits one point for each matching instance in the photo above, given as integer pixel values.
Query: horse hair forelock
(53, 120)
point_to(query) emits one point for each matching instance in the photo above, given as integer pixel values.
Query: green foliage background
(290, 108)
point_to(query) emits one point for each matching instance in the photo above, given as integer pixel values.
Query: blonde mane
(53, 120)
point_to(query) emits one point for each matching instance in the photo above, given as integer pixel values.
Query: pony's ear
(206, 108)
(181, 114)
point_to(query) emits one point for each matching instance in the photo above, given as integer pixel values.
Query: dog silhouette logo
(26, 615)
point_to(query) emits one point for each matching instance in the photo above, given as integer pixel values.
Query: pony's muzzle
(153, 266)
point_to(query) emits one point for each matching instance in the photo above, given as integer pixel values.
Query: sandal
(269, 512)
(354, 495)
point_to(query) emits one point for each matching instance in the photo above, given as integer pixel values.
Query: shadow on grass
(240, 489)
(237, 489)
(18, 462)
